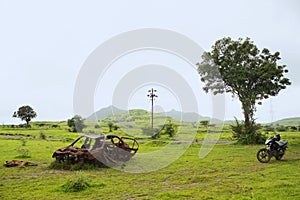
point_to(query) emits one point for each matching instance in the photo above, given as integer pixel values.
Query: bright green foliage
(240, 68)
(25, 113)
(77, 183)
(247, 136)
(42, 136)
(110, 126)
(76, 123)
(204, 123)
(170, 128)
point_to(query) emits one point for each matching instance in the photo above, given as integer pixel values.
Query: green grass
(35, 131)
(229, 171)
(77, 183)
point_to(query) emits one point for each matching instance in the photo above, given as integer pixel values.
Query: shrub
(23, 152)
(23, 142)
(247, 135)
(42, 136)
(269, 128)
(77, 183)
(169, 129)
(76, 124)
(110, 126)
(293, 128)
(116, 127)
(281, 128)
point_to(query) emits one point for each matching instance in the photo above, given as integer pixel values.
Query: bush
(23, 152)
(110, 126)
(76, 184)
(23, 142)
(169, 129)
(281, 128)
(116, 127)
(293, 128)
(42, 136)
(247, 135)
(269, 128)
(76, 124)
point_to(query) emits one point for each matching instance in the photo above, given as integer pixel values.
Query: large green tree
(25, 113)
(240, 68)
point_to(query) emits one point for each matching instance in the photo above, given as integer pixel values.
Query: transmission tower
(152, 97)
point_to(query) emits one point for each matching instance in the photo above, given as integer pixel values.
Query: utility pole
(152, 97)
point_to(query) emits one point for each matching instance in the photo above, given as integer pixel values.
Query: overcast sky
(43, 45)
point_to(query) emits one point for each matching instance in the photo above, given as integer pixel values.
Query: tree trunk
(27, 123)
(247, 115)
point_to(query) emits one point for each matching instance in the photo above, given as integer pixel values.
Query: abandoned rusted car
(108, 150)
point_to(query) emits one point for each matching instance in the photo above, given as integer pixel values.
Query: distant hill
(295, 121)
(185, 116)
(104, 112)
(177, 115)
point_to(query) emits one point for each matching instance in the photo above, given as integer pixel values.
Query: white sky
(43, 45)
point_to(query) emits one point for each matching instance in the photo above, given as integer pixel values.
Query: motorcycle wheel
(263, 155)
(280, 154)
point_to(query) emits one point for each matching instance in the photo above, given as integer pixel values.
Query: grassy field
(229, 171)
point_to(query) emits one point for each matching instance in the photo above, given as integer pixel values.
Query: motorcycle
(273, 148)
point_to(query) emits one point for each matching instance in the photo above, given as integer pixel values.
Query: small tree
(239, 68)
(110, 126)
(76, 123)
(170, 128)
(116, 127)
(25, 113)
(204, 123)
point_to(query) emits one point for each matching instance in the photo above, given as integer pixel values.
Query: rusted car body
(108, 150)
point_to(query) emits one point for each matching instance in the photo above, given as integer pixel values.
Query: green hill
(105, 112)
(295, 121)
(185, 116)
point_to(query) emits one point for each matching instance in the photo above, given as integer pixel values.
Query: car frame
(108, 150)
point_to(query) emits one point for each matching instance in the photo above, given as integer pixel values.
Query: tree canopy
(240, 68)
(76, 123)
(25, 113)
